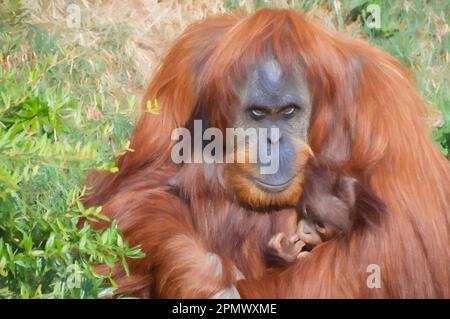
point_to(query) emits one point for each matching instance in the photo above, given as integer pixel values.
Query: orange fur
(367, 116)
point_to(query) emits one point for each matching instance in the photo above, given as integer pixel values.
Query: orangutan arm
(177, 263)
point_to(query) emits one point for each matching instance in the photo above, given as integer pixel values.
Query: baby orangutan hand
(288, 249)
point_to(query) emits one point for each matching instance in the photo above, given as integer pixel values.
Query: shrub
(50, 139)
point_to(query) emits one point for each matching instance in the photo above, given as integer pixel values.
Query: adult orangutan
(203, 226)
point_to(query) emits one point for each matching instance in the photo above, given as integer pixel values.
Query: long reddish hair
(367, 117)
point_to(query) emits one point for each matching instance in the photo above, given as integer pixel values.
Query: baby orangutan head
(333, 204)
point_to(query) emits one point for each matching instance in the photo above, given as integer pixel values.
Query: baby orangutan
(332, 204)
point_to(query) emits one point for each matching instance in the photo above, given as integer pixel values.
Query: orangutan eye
(257, 113)
(288, 111)
(320, 227)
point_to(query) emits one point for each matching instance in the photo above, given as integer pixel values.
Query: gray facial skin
(271, 99)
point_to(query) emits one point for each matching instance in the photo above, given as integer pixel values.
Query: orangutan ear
(200, 113)
(369, 207)
(364, 205)
(347, 190)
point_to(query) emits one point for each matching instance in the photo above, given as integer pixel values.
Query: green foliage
(442, 138)
(50, 139)
(416, 33)
(367, 12)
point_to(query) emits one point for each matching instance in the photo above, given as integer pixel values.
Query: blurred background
(71, 76)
